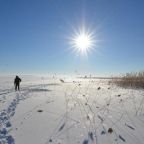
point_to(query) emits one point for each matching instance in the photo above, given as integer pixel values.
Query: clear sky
(35, 36)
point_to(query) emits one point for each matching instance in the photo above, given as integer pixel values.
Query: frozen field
(73, 111)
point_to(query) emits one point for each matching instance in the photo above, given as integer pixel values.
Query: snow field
(72, 111)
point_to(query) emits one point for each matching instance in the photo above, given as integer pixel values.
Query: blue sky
(34, 36)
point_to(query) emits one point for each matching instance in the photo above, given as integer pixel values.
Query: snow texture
(70, 111)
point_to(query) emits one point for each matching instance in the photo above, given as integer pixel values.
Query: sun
(82, 41)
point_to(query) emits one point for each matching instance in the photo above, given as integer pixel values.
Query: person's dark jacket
(17, 80)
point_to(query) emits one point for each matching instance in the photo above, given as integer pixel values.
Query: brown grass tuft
(133, 80)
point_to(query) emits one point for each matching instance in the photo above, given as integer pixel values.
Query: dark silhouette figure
(17, 83)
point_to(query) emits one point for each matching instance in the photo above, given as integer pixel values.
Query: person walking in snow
(17, 83)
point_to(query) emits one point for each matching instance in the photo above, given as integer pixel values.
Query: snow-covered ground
(73, 111)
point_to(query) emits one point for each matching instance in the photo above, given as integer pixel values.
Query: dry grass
(134, 80)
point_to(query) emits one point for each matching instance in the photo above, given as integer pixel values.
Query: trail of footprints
(5, 117)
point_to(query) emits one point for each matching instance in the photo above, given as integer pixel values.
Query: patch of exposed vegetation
(132, 80)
